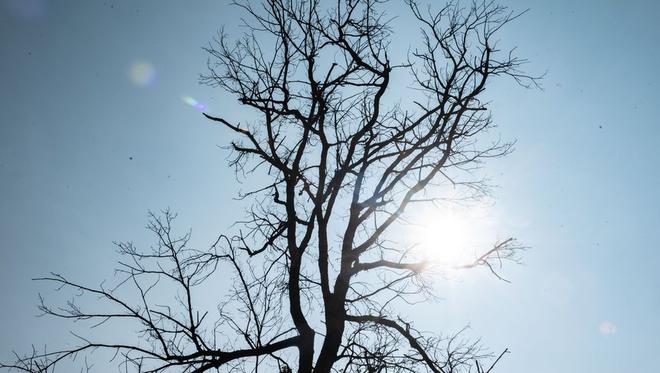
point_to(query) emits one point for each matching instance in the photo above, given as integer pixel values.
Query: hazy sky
(98, 125)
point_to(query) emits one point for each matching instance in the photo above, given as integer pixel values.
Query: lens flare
(142, 74)
(607, 328)
(194, 103)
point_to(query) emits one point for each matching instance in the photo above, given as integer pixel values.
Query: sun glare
(450, 237)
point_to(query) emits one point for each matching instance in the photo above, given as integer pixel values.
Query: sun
(450, 236)
(441, 237)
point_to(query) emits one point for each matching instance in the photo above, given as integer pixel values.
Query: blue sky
(94, 133)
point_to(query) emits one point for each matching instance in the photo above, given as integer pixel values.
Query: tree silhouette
(318, 279)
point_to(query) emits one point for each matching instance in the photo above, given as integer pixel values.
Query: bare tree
(318, 281)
